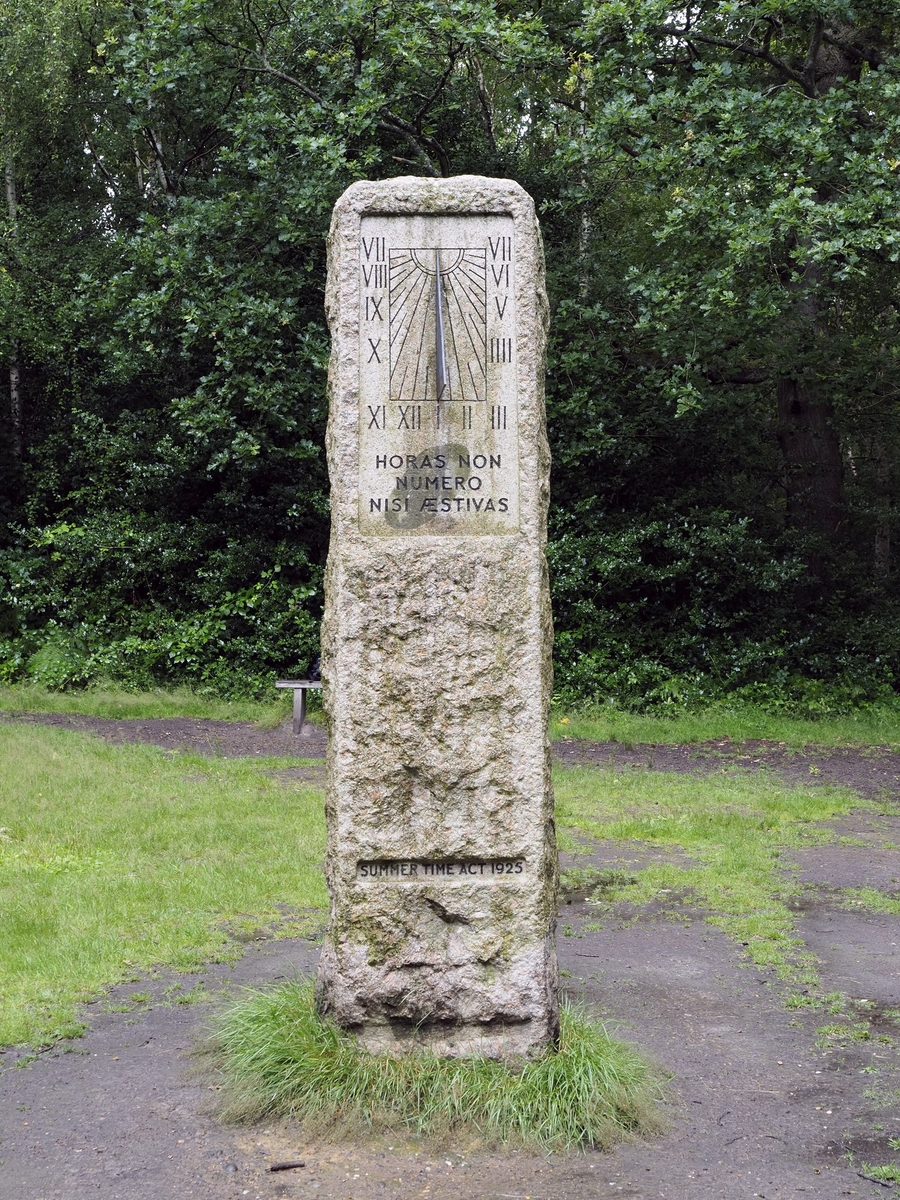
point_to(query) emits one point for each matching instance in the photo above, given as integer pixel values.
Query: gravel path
(757, 1109)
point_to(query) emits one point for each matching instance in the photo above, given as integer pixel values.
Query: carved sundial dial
(438, 433)
(438, 326)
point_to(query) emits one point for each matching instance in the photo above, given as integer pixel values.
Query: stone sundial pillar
(436, 641)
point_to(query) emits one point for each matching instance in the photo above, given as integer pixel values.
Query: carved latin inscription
(438, 400)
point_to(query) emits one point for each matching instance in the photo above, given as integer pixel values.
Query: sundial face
(438, 414)
(433, 309)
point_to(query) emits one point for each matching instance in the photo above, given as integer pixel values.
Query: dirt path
(870, 771)
(757, 1110)
(226, 739)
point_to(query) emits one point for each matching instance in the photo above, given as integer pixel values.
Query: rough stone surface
(436, 641)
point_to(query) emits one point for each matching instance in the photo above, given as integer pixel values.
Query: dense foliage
(718, 187)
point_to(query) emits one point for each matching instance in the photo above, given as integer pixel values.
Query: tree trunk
(807, 433)
(883, 526)
(814, 468)
(15, 395)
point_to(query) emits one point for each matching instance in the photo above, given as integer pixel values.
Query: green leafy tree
(717, 187)
(767, 133)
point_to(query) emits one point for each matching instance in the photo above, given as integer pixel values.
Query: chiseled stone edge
(463, 195)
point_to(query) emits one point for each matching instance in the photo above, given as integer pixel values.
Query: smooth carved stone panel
(398, 870)
(437, 383)
(441, 859)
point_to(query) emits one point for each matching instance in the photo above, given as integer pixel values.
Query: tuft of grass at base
(111, 701)
(280, 1058)
(116, 859)
(733, 828)
(874, 727)
(885, 1173)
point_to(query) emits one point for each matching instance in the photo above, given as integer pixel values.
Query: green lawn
(733, 828)
(110, 701)
(876, 727)
(116, 858)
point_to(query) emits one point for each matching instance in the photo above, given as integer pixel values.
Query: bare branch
(870, 56)
(769, 34)
(202, 150)
(357, 44)
(485, 102)
(442, 83)
(741, 48)
(419, 151)
(812, 54)
(282, 75)
(98, 160)
(418, 141)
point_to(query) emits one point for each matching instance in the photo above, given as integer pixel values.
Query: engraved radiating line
(475, 280)
(481, 334)
(456, 353)
(400, 301)
(474, 297)
(399, 261)
(462, 390)
(474, 260)
(474, 264)
(455, 290)
(477, 300)
(420, 356)
(401, 273)
(474, 273)
(479, 328)
(400, 298)
(468, 332)
(398, 294)
(440, 364)
(406, 323)
(476, 327)
(407, 329)
(398, 283)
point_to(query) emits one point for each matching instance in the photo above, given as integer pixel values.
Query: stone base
(459, 1009)
(462, 1041)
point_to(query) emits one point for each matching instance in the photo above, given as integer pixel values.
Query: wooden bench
(299, 687)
